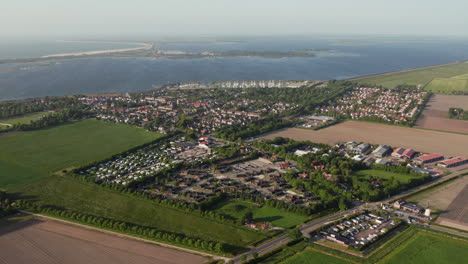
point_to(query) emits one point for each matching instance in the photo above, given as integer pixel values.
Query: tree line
(129, 228)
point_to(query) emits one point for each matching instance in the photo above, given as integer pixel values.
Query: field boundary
(201, 253)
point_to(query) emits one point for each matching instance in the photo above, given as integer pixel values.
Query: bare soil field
(41, 241)
(441, 198)
(421, 140)
(456, 215)
(434, 115)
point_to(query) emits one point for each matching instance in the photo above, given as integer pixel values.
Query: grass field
(314, 257)
(416, 77)
(28, 156)
(279, 218)
(385, 175)
(462, 77)
(447, 85)
(25, 119)
(428, 248)
(92, 199)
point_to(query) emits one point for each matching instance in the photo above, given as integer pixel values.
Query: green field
(462, 77)
(425, 248)
(417, 77)
(28, 156)
(447, 85)
(279, 218)
(314, 257)
(88, 198)
(404, 178)
(25, 119)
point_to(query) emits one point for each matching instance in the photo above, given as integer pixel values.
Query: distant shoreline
(404, 70)
(144, 46)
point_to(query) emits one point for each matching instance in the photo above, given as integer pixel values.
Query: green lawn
(88, 198)
(277, 217)
(425, 248)
(314, 257)
(416, 77)
(28, 156)
(385, 174)
(447, 85)
(25, 119)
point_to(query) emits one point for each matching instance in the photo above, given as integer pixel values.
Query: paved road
(313, 225)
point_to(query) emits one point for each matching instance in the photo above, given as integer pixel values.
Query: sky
(23, 18)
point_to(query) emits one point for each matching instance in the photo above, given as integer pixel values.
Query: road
(315, 224)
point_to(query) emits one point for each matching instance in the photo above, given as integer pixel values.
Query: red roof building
(454, 162)
(429, 158)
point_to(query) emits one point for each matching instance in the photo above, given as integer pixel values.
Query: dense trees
(66, 115)
(17, 108)
(457, 113)
(255, 128)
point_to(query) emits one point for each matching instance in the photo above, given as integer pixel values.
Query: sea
(338, 57)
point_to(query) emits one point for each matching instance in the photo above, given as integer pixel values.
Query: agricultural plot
(447, 85)
(429, 248)
(435, 117)
(265, 214)
(456, 214)
(417, 77)
(28, 156)
(404, 178)
(40, 241)
(89, 198)
(419, 139)
(462, 77)
(314, 257)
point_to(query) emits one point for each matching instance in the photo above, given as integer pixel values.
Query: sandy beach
(144, 46)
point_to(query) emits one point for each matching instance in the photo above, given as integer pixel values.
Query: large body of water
(344, 59)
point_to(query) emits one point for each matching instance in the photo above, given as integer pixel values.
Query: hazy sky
(236, 17)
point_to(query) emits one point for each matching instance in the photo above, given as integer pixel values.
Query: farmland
(41, 241)
(418, 139)
(418, 76)
(311, 256)
(428, 248)
(434, 115)
(279, 218)
(385, 175)
(447, 85)
(456, 214)
(89, 198)
(47, 150)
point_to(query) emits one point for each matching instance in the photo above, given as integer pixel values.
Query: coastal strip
(405, 70)
(144, 46)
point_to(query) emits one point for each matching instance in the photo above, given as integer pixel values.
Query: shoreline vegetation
(153, 50)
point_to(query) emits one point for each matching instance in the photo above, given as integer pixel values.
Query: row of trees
(64, 116)
(128, 228)
(6, 205)
(255, 128)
